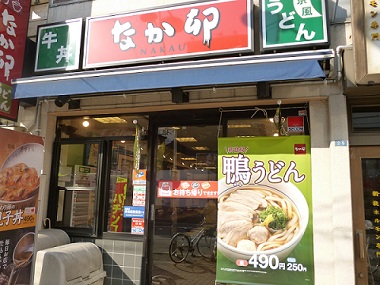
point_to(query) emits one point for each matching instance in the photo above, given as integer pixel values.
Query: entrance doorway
(365, 179)
(185, 205)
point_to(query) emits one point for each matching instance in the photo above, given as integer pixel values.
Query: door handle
(360, 239)
(152, 213)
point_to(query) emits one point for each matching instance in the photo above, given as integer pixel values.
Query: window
(77, 186)
(127, 186)
(365, 119)
(99, 175)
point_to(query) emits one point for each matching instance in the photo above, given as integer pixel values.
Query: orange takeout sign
(187, 189)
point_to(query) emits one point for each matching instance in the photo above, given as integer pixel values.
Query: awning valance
(242, 70)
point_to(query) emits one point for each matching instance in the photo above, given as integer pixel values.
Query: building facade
(163, 100)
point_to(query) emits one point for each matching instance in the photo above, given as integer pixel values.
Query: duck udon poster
(265, 231)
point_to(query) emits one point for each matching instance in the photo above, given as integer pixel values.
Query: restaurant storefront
(174, 148)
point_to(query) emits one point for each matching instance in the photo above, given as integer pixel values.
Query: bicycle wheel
(206, 245)
(179, 248)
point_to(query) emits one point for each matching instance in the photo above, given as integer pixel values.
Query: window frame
(101, 196)
(55, 3)
(53, 193)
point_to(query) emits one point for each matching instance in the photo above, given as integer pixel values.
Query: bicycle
(204, 242)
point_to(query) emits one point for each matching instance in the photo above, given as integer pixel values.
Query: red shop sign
(14, 17)
(216, 27)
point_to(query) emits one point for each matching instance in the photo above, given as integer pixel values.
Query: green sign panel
(265, 228)
(58, 46)
(293, 23)
(5, 98)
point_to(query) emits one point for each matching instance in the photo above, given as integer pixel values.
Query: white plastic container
(48, 238)
(74, 263)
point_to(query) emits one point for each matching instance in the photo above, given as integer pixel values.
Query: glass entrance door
(365, 179)
(185, 205)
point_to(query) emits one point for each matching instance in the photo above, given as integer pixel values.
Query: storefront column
(341, 190)
(333, 241)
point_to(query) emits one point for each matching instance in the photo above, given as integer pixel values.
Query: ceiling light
(111, 120)
(186, 139)
(85, 122)
(188, 158)
(237, 126)
(201, 148)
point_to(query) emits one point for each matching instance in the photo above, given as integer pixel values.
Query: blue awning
(236, 71)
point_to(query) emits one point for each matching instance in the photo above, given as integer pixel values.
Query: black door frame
(166, 119)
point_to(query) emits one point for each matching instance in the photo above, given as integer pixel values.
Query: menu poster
(265, 226)
(21, 156)
(139, 177)
(116, 218)
(137, 226)
(84, 176)
(139, 194)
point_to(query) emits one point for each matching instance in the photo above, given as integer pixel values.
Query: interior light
(200, 148)
(186, 139)
(188, 158)
(237, 126)
(111, 120)
(85, 122)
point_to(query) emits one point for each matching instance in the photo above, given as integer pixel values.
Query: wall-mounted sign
(296, 125)
(183, 31)
(58, 46)
(14, 16)
(372, 35)
(361, 64)
(294, 23)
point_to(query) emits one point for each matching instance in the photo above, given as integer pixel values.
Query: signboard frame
(302, 33)
(74, 37)
(366, 44)
(15, 20)
(169, 49)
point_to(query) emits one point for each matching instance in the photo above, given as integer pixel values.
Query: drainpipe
(339, 53)
(38, 117)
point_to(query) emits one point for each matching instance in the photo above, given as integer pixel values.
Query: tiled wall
(121, 260)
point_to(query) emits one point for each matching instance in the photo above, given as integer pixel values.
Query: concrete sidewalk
(195, 270)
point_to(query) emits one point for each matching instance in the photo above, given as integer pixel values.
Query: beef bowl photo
(20, 176)
(264, 218)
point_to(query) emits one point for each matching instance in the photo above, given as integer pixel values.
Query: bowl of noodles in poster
(20, 177)
(264, 218)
